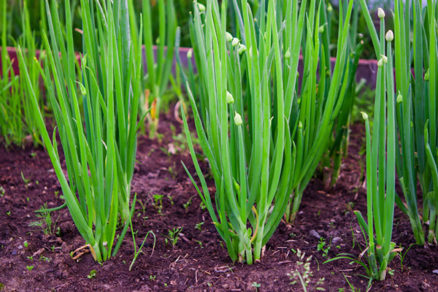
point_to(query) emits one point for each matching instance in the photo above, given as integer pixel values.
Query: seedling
(170, 199)
(92, 274)
(173, 236)
(303, 273)
(323, 247)
(199, 226)
(256, 285)
(29, 268)
(187, 204)
(137, 252)
(25, 180)
(2, 191)
(44, 259)
(45, 223)
(158, 202)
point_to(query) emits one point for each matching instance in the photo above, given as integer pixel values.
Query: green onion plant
(262, 141)
(95, 105)
(416, 78)
(381, 166)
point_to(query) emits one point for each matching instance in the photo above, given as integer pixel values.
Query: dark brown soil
(33, 261)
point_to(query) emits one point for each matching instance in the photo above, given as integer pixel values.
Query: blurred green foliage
(183, 10)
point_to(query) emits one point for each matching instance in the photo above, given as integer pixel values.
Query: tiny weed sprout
(95, 106)
(262, 141)
(92, 274)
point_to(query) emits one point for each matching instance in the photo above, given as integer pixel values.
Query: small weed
(173, 236)
(172, 172)
(29, 268)
(152, 277)
(143, 206)
(200, 243)
(2, 191)
(171, 200)
(25, 244)
(256, 285)
(8, 213)
(188, 203)
(402, 255)
(199, 226)
(46, 223)
(45, 259)
(202, 206)
(303, 273)
(158, 202)
(2, 286)
(322, 246)
(25, 180)
(92, 274)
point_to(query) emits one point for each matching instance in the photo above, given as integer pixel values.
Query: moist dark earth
(38, 258)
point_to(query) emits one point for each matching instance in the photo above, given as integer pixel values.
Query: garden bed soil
(33, 261)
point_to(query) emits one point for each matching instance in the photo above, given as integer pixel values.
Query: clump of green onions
(381, 166)
(159, 68)
(323, 105)
(416, 47)
(17, 121)
(95, 106)
(261, 141)
(417, 111)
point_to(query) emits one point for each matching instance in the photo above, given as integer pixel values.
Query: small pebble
(315, 234)
(336, 240)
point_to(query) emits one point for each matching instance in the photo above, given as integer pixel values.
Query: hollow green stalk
(381, 167)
